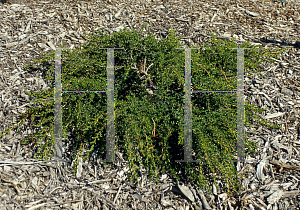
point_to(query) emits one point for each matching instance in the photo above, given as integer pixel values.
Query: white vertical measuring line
(57, 106)
(110, 129)
(240, 146)
(187, 108)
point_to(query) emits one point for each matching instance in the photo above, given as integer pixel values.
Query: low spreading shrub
(149, 127)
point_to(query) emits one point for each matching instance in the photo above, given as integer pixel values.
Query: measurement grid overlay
(110, 137)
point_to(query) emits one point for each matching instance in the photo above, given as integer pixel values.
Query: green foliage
(149, 125)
